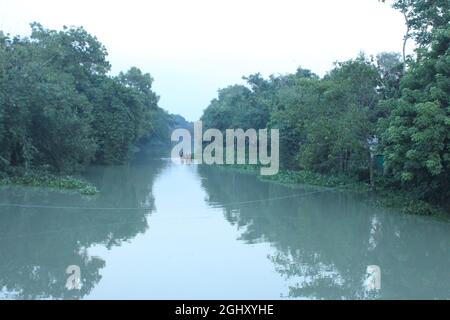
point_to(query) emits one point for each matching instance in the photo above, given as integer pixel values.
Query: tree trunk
(405, 40)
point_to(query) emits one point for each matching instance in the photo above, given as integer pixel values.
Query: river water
(160, 230)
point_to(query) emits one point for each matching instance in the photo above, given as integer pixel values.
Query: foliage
(325, 124)
(60, 110)
(52, 181)
(363, 108)
(416, 135)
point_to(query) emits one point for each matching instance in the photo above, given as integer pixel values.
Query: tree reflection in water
(325, 241)
(38, 244)
(320, 244)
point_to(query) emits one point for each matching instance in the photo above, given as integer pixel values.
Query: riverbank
(47, 180)
(383, 196)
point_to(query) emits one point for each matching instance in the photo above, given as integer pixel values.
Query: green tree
(416, 135)
(61, 111)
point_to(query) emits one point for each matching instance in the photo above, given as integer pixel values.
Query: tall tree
(416, 135)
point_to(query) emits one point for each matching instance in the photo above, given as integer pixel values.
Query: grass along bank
(47, 180)
(379, 194)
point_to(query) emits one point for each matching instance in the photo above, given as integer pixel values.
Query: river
(159, 230)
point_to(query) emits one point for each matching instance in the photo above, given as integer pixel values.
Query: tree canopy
(385, 109)
(60, 110)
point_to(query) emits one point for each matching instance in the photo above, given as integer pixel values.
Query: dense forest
(60, 110)
(384, 120)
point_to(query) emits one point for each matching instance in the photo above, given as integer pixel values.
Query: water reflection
(325, 241)
(271, 240)
(37, 244)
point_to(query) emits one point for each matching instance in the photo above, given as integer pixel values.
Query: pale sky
(194, 47)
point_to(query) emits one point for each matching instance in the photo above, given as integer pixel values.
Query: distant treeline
(388, 112)
(60, 110)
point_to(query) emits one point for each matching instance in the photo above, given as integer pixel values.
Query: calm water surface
(197, 232)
